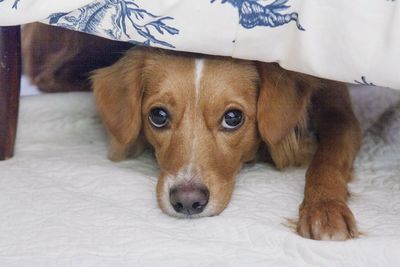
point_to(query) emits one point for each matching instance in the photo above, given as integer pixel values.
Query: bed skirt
(354, 41)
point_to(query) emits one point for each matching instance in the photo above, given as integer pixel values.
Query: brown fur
(283, 114)
(289, 107)
(299, 118)
(56, 59)
(324, 107)
(147, 79)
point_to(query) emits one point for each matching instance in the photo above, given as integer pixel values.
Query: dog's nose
(189, 199)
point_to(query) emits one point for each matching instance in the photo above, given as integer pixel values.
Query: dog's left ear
(282, 113)
(283, 100)
(118, 94)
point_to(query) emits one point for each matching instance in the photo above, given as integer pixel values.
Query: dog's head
(199, 115)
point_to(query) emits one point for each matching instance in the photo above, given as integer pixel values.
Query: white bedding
(354, 41)
(62, 203)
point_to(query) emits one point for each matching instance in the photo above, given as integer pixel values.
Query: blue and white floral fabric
(354, 41)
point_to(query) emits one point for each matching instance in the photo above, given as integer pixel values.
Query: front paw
(326, 220)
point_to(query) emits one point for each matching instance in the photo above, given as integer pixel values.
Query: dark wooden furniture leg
(10, 75)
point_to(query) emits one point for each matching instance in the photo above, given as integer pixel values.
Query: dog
(206, 116)
(57, 59)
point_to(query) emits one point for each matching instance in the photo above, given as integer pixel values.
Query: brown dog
(56, 59)
(206, 116)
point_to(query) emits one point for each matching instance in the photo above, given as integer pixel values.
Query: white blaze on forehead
(198, 73)
(199, 65)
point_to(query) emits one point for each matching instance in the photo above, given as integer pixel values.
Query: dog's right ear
(118, 95)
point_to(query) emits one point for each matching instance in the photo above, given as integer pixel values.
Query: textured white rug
(62, 203)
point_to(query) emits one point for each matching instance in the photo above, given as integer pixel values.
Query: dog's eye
(232, 119)
(158, 117)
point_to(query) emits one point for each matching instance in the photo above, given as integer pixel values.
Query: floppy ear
(282, 105)
(283, 100)
(118, 96)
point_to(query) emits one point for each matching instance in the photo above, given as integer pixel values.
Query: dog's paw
(326, 220)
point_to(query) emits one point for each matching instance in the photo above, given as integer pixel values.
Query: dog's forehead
(184, 76)
(221, 76)
(167, 74)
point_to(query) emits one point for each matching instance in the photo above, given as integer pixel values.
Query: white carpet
(62, 203)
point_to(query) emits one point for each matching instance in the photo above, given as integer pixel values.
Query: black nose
(189, 199)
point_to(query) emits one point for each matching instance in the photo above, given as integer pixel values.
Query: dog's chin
(208, 211)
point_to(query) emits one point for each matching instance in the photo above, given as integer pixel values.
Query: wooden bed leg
(10, 75)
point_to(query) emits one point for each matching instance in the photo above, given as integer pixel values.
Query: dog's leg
(324, 214)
